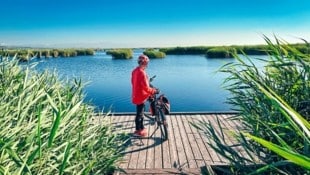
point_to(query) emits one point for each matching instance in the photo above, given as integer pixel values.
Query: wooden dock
(186, 151)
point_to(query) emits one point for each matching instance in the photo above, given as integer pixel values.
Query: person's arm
(146, 86)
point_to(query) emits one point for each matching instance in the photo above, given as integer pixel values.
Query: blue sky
(146, 23)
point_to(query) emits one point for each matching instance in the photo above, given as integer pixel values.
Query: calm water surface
(190, 82)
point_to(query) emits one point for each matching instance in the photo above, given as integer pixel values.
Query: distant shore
(24, 53)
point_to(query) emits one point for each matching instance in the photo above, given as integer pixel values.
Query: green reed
(47, 129)
(121, 53)
(273, 107)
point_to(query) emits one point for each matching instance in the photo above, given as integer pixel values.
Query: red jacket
(141, 89)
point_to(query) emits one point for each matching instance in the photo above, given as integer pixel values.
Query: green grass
(273, 105)
(46, 128)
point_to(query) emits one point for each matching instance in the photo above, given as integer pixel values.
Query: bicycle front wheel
(163, 125)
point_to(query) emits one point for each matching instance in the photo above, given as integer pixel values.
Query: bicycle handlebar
(152, 78)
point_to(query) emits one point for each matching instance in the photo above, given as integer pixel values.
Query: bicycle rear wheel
(163, 125)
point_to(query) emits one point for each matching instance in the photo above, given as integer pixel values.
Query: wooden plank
(229, 125)
(147, 145)
(237, 122)
(187, 145)
(186, 149)
(146, 155)
(134, 155)
(227, 129)
(182, 160)
(162, 171)
(201, 141)
(172, 143)
(116, 119)
(192, 135)
(158, 151)
(224, 131)
(216, 159)
(150, 159)
(166, 149)
(125, 121)
(234, 127)
(142, 149)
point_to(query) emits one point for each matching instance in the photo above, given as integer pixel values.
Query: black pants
(139, 117)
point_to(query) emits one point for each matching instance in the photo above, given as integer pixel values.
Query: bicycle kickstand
(154, 132)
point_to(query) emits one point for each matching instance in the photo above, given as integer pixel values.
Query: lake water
(190, 82)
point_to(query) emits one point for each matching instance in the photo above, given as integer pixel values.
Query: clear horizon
(142, 24)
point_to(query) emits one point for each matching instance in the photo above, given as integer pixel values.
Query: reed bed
(273, 106)
(121, 53)
(46, 128)
(152, 53)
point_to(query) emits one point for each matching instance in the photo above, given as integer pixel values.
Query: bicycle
(159, 106)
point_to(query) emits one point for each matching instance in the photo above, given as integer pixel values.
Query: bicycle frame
(157, 106)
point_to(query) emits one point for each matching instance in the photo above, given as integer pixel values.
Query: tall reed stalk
(45, 128)
(273, 105)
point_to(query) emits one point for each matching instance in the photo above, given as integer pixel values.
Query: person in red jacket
(141, 91)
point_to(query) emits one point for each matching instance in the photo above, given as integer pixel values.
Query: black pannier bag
(166, 104)
(162, 100)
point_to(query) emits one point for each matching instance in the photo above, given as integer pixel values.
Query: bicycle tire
(163, 126)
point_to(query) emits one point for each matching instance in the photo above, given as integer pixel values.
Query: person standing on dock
(141, 91)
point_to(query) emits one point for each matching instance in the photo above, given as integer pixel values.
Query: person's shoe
(137, 133)
(143, 132)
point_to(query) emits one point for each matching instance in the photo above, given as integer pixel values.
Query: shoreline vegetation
(47, 128)
(24, 54)
(120, 53)
(273, 109)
